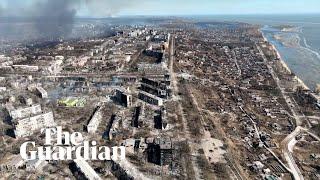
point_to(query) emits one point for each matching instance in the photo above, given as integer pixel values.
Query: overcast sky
(101, 8)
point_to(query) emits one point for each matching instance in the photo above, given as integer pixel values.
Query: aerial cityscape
(141, 89)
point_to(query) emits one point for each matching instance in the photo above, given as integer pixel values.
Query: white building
(54, 67)
(86, 169)
(3, 89)
(24, 111)
(27, 126)
(95, 121)
(2, 79)
(26, 68)
(36, 164)
(11, 163)
(5, 61)
(41, 92)
(59, 58)
(29, 101)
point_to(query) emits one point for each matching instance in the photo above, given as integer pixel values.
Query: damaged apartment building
(153, 92)
(156, 88)
(159, 151)
(160, 121)
(95, 120)
(136, 118)
(123, 97)
(157, 50)
(26, 120)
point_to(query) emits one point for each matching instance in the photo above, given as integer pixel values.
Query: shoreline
(284, 64)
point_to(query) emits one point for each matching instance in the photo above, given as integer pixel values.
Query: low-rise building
(41, 92)
(26, 68)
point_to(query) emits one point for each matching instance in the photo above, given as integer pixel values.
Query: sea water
(299, 47)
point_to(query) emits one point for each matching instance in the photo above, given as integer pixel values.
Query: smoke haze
(55, 18)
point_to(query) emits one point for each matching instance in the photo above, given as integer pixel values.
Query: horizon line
(172, 15)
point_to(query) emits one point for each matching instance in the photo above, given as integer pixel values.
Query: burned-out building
(156, 88)
(154, 154)
(41, 92)
(159, 119)
(150, 98)
(137, 113)
(156, 51)
(160, 151)
(123, 98)
(106, 135)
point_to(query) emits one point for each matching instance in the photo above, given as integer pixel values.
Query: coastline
(284, 64)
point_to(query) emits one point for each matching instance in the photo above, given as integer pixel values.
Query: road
(283, 93)
(234, 57)
(258, 135)
(287, 148)
(80, 74)
(288, 143)
(193, 150)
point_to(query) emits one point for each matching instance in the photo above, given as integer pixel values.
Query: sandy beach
(284, 64)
